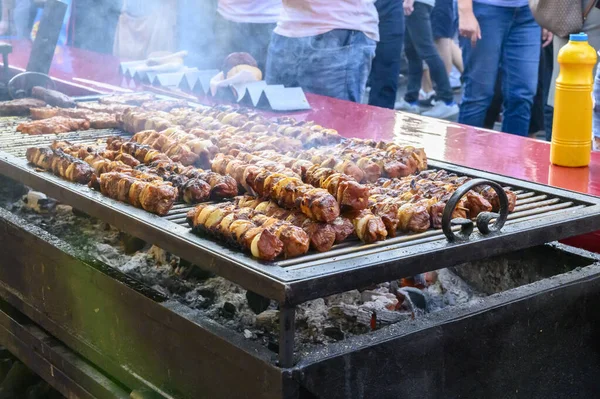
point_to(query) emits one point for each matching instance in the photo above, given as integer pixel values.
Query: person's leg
(442, 27)
(334, 64)
(482, 62)
(422, 39)
(415, 64)
(495, 108)
(520, 61)
(386, 65)
(457, 58)
(283, 59)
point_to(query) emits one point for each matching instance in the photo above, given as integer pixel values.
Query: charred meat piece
(220, 186)
(60, 163)
(52, 97)
(321, 235)
(104, 108)
(288, 192)
(369, 228)
(56, 124)
(19, 107)
(97, 120)
(143, 153)
(223, 222)
(156, 196)
(350, 194)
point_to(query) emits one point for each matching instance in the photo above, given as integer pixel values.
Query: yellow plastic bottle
(573, 106)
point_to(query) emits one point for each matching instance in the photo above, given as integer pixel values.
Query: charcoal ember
(334, 332)
(11, 189)
(268, 320)
(38, 202)
(449, 290)
(312, 316)
(229, 310)
(416, 299)
(382, 296)
(257, 303)
(131, 244)
(350, 297)
(249, 334)
(190, 270)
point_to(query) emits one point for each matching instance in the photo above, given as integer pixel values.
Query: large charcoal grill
(543, 214)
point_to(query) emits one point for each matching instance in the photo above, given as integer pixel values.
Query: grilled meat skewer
(156, 196)
(321, 235)
(223, 222)
(288, 192)
(60, 163)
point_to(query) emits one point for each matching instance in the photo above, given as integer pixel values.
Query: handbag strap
(589, 8)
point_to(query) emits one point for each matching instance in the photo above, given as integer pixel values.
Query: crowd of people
(348, 48)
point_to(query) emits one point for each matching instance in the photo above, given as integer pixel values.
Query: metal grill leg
(287, 328)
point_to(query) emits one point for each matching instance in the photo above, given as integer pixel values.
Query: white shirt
(250, 11)
(301, 18)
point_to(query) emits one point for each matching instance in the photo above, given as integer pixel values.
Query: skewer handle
(483, 219)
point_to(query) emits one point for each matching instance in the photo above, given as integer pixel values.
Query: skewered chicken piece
(178, 145)
(60, 164)
(429, 186)
(269, 165)
(414, 158)
(348, 193)
(288, 192)
(156, 196)
(222, 222)
(143, 153)
(349, 164)
(191, 190)
(137, 120)
(295, 240)
(97, 120)
(300, 166)
(56, 124)
(322, 235)
(177, 151)
(368, 227)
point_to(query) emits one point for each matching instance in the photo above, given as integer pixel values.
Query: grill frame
(359, 267)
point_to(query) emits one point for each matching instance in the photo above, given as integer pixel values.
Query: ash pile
(319, 321)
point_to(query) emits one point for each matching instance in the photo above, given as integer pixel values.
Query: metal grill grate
(542, 214)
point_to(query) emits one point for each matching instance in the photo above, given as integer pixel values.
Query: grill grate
(542, 214)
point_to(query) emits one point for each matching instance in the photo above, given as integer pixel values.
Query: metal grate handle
(483, 219)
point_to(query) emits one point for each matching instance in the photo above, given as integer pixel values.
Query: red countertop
(514, 156)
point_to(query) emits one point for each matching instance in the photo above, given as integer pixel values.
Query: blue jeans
(511, 43)
(386, 65)
(419, 47)
(334, 64)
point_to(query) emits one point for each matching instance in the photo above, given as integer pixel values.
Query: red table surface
(509, 155)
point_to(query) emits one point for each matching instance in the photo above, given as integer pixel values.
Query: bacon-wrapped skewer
(368, 227)
(60, 163)
(349, 194)
(178, 145)
(156, 196)
(191, 190)
(143, 153)
(322, 235)
(220, 186)
(288, 192)
(270, 165)
(222, 222)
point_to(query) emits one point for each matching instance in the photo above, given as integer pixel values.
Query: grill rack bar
(555, 213)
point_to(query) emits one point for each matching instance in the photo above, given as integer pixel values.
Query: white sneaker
(423, 96)
(441, 110)
(403, 105)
